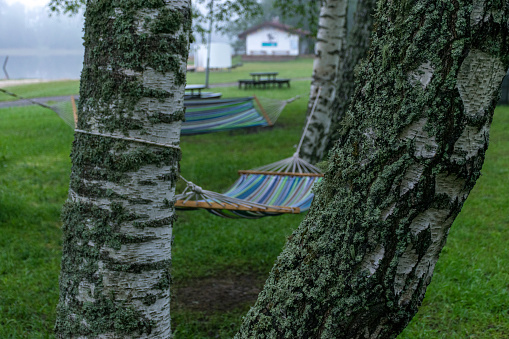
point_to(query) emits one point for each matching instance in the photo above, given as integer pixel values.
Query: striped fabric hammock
(202, 116)
(281, 187)
(254, 195)
(207, 116)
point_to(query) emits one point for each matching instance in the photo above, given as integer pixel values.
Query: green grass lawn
(67, 87)
(468, 297)
(300, 68)
(293, 69)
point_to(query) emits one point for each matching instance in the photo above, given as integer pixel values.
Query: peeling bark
(411, 148)
(115, 274)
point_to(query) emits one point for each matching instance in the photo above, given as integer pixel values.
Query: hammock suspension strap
(121, 137)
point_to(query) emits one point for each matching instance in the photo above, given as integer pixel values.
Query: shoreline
(15, 82)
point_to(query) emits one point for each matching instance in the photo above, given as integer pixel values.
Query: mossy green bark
(410, 149)
(116, 260)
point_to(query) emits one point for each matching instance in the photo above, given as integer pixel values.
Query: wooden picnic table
(200, 94)
(263, 79)
(192, 88)
(269, 76)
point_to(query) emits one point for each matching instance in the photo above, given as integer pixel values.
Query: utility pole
(207, 70)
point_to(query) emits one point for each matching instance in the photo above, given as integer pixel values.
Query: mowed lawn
(293, 69)
(229, 259)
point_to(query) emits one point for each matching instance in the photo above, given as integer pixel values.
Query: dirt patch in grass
(220, 293)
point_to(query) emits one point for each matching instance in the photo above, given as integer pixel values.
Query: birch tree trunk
(410, 150)
(329, 50)
(356, 50)
(115, 274)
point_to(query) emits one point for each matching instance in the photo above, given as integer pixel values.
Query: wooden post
(265, 115)
(74, 111)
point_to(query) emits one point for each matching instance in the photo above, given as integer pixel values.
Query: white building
(272, 38)
(220, 55)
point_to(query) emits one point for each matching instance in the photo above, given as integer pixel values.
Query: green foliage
(300, 13)
(70, 7)
(295, 13)
(223, 14)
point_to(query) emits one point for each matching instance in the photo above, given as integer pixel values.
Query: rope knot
(195, 188)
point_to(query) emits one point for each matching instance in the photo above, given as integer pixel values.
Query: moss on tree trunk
(410, 150)
(118, 218)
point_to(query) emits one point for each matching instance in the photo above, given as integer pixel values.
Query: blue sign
(269, 44)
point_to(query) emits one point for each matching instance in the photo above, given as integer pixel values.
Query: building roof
(276, 25)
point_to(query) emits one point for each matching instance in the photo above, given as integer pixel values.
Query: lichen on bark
(410, 150)
(118, 218)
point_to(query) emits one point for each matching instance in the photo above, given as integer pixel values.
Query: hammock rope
(281, 187)
(62, 109)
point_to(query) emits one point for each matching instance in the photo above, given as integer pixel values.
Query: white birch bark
(410, 150)
(118, 220)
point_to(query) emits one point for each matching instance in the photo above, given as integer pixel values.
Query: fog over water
(39, 46)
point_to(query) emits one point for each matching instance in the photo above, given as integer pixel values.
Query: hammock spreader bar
(226, 206)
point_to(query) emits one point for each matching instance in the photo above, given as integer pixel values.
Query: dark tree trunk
(410, 150)
(115, 275)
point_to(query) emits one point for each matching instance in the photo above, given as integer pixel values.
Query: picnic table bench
(190, 93)
(263, 79)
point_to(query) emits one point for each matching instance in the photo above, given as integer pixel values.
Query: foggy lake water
(41, 64)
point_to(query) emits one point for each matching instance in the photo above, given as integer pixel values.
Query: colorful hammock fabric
(281, 187)
(255, 195)
(202, 115)
(208, 116)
